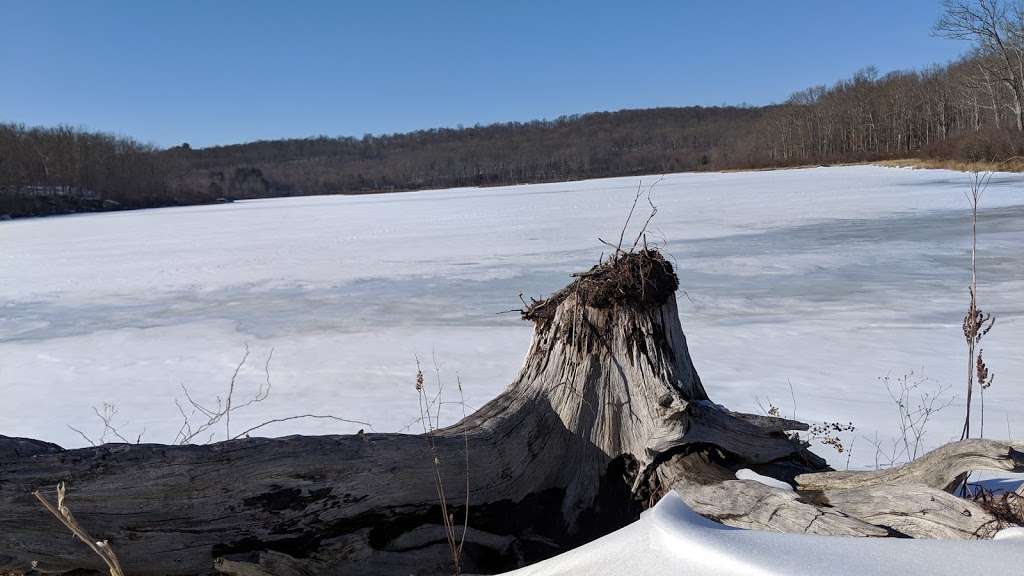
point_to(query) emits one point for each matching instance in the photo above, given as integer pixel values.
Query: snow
(672, 539)
(748, 474)
(1011, 533)
(824, 279)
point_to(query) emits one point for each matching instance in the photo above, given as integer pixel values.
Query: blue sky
(222, 72)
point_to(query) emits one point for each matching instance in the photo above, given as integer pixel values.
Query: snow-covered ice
(672, 539)
(825, 279)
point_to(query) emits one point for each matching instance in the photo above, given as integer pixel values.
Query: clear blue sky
(228, 71)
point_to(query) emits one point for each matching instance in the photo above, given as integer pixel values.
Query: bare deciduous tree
(997, 29)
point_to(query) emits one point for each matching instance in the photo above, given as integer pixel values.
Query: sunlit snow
(672, 539)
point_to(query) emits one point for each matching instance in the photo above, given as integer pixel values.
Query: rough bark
(752, 505)
(912, 510)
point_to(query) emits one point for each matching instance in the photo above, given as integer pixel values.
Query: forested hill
(571, 147)
(958, 111)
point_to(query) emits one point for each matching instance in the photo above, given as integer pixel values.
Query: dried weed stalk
(61, 512)
(976, 323)
(430, 416)
(915, 408)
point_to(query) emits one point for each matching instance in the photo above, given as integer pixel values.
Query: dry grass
(916, 163)
(791, 167)
(1016, 165)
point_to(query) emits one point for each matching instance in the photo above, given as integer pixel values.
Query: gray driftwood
(942, 468)
(912, 510)
(606, 415)
(752, 505)
(915, 499)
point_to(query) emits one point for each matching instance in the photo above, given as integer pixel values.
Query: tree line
(970, 109)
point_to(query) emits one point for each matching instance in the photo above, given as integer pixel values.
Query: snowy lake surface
(804, 284)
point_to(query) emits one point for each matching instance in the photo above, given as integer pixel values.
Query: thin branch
(654, 212)
(314, 416)
(82, 434)
(629, 216)
(231, 391)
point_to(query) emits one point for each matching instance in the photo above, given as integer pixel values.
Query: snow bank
(671, 539)
(1012, 533)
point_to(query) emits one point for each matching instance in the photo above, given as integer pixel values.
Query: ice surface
(825, 278)
(672, 539)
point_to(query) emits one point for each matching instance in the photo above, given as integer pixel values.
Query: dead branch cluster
(1007, 509)
(106, 415)
(915, 407)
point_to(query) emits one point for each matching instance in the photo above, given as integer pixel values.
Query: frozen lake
(825, 279)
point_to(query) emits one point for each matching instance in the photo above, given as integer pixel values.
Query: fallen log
(607, 414)
(912, 510)
(902, 505)
(942, 468)
(752, 505)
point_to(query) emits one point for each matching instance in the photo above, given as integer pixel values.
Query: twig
(629, 216)
(792, 395)
(62, 513)
(91, 443)
(109, 411)
(231, 392)
(316, 416)
(465, 438)
(654, 212)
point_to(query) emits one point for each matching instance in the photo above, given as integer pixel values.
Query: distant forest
(968, 110)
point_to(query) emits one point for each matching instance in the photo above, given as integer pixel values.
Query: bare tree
(997, 29)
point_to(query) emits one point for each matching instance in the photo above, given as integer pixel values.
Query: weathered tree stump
(607, 414)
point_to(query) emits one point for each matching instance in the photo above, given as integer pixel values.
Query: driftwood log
(606, 415)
